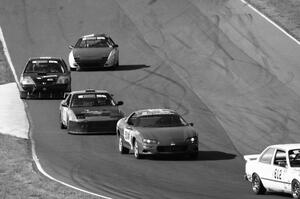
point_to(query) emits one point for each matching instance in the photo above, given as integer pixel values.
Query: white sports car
(276, 169)
(94, 51)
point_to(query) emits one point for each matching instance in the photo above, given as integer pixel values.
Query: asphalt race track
(211, 60)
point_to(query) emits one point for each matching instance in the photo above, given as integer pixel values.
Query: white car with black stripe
(276, 169)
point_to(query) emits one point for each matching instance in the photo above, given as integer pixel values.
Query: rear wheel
(23, 94)
(257, 186)
(296, 189)
(136, 151)
(194, 155)
(122, 149)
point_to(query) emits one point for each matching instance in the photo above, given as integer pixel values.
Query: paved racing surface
(209, 60)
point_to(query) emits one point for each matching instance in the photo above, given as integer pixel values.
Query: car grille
(175, 148)
(97, 126)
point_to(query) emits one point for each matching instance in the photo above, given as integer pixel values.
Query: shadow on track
(119, 68)
(202, 156)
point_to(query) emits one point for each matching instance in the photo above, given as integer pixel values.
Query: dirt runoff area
(286, 13)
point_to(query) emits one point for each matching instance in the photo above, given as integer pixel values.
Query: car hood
(91, 53)
(167, 134)
(97, 111)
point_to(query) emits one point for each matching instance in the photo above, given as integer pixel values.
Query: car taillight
(26, 80)
(63, 80)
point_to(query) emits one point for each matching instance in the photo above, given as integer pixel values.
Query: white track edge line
(271, 21)
(34, 156)
(7, 55)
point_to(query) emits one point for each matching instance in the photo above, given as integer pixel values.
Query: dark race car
(94, 51)
(90, 112)
(45, 76)
(156, 131)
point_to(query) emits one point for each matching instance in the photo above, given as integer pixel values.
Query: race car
(45, 76)
(89, 112)
(156, 131)
(94, 51)
(276, 169)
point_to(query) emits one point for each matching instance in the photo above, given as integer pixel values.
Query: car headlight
(63, 80)
(150, 141)
(26, 80)
(111, 56)
(193, 139)
(72, 116)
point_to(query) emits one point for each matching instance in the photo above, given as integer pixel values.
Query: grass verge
(286, 13)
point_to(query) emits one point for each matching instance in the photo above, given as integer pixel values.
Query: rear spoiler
(251, 157)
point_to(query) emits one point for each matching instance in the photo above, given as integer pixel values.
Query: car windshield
(44, 66)
(92, 99)
(294, 157)
(92, 42)
(166, 120)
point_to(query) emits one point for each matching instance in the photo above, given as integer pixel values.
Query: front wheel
(136, 151)
(296, 189)
(257, 186)
(122, 149)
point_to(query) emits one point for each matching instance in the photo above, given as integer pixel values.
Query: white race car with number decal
(277, 169)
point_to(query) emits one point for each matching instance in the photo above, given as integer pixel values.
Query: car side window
(267, 156)
(131, 120)
(280, 158)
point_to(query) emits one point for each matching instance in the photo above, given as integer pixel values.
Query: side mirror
(64, 104)
(282, 163)
(119, 103)
(191, 124)
(116, 46)
(71, 46)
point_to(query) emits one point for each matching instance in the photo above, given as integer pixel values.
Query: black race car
(45, 77)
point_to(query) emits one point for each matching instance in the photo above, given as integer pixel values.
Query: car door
(64, 109)
(129, 129)
(280, 170)
(264, 167)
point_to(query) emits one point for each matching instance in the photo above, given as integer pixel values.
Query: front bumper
(46, 88)
(92, 127)
(189, 148)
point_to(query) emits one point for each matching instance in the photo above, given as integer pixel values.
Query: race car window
(279, 158)
(267, 156)
(294, 157)
(87, 100)
(44, 66)
(94, 42)
(132, 119)
(161, 120)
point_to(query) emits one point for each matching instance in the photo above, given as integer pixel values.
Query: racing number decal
(127, 135)
(278, 174)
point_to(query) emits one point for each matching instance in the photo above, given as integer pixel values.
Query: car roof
(44, 58)
(286, 147)
(89, 91)
(94, 35)
(157, 111)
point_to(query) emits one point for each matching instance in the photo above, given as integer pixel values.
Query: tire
(193, 155)
(122, 149)
(136, 151)
(62, 126)
(23, 95)
(296, 189)
(257, 186)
